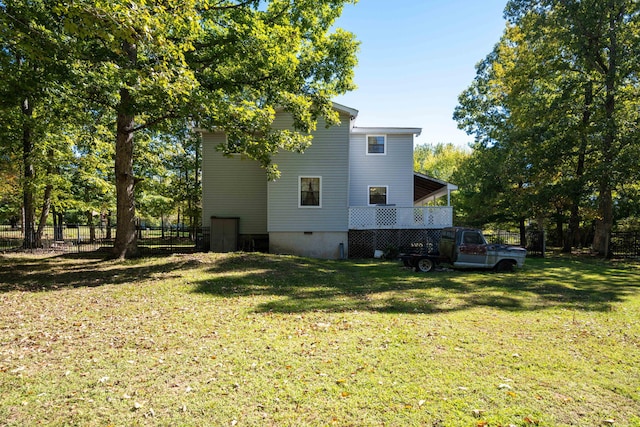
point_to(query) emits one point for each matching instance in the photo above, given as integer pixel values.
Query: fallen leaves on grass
(531, 421)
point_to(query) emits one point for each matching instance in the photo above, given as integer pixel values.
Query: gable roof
(344, 109)
(425, 187)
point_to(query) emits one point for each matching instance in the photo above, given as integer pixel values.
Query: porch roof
(425, 187)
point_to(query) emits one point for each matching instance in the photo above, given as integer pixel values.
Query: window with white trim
(377, 144)
(378, 194)
(310, 190)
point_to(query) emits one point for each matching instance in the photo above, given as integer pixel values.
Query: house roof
(386, 131)
(425, 187)
(347, 110)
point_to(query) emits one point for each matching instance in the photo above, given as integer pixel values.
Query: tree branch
(233, 6)
(148, 124)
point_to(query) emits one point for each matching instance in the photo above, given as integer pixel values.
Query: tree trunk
(126, 242)
(189, 209)
(573, 232)
(609, 148)
(46, 203)
(57, 225)
(108, 225)
(28, 185)
(46, 206)
(523, 232)
(92, 226)
(559, 227)
(178, 225)
(604, 224)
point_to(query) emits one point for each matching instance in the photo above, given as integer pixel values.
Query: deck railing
(392, 217)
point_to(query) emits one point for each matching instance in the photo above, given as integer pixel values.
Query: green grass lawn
(252, 339)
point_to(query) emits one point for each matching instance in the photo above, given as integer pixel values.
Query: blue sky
(416, 57)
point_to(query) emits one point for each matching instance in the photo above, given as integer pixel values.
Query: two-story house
(351, 182)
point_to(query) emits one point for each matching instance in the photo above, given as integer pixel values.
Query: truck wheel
(504, 266)
(424, 265)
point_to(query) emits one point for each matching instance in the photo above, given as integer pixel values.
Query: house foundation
(313, 244)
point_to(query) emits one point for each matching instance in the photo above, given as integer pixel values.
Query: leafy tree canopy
(215, 64)
(551, 109)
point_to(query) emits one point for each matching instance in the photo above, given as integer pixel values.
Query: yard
(253, 339)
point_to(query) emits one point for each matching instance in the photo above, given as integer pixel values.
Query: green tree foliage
(90, 173)
(440, 161)
(10, 194)
(224, 64)
(31, 99)
(494, 181)
(171, 175)
(553, 103)
(603, 38)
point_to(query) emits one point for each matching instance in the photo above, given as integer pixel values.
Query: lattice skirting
(364, 243)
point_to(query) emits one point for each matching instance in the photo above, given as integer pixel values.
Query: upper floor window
(376, 144)
(378, 195)
(310, 191)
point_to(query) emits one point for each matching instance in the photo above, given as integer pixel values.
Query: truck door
(472, 251)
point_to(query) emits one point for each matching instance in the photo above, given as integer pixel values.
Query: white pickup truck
(467, 248)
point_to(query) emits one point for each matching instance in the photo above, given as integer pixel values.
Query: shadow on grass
(289, 284)
(87, 269)
(300, 285)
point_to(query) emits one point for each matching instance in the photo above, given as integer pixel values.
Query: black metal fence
(625, 244)
(72, 238)
(535, 240)
(81, 238)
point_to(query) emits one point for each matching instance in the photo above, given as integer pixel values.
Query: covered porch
(421, 215)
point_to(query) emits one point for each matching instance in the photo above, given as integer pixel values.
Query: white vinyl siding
(232, 187)
(328, 157)
(393, 170)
